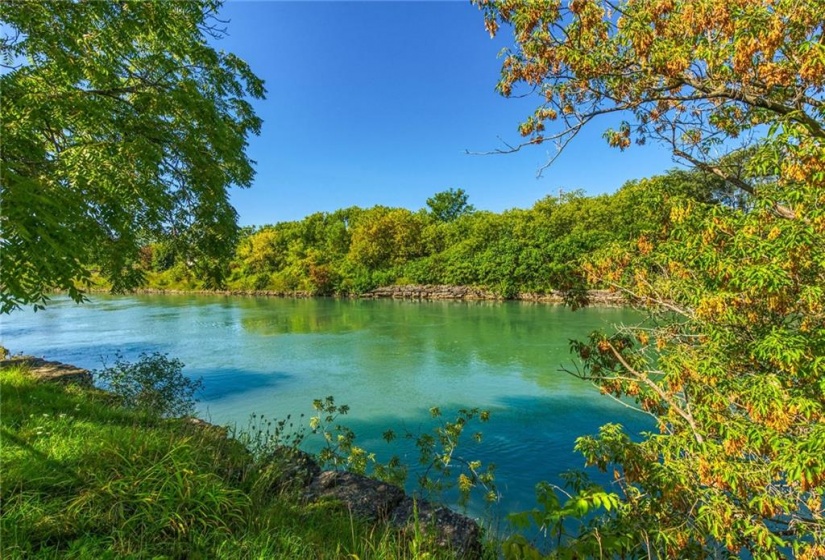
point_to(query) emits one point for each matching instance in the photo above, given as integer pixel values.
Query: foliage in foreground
(731, 363)
(119, 121)
(86, 478)
(443, 465)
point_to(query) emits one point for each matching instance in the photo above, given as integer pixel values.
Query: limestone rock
(373, 500)
(430, 291)
(52, 372)
(452, 531)
(293, 468)
(366, 498)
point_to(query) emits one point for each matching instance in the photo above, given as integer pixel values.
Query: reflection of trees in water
(270, 317)
(530, 337)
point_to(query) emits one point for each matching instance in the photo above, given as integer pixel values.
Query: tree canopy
(120, 123)
(731, 361)
(520, 251)
(448, 205)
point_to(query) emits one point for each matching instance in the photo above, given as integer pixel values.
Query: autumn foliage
(731, 361)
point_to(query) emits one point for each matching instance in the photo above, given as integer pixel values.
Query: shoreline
(412, 292)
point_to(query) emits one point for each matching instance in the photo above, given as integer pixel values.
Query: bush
(155, 384)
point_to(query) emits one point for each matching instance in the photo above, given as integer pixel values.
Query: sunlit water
(390, 361)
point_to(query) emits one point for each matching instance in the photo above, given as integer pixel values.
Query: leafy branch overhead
(120, 124)
(692, 75)
(730, 361)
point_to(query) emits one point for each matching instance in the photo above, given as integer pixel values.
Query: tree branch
(780, 209)
(762, 102)
(659, 391)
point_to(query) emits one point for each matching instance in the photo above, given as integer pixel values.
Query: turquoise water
(390, 361)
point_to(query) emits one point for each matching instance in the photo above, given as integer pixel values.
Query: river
(390, 361)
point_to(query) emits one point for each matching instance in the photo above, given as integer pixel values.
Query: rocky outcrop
(594, 297)
(365, 498)
(290, 469)
(55, 372)
(428, 291)
(300, 294)
(447, 292)
(372, 500)
(408, 292)
(452, 531)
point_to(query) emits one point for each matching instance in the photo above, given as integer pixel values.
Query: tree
(386, 237)
(731, 361)
(448, 205)
(121, 125)
(262, 252)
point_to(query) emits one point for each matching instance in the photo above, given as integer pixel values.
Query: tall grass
(83, 477)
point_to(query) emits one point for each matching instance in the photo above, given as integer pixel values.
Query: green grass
(83, 477)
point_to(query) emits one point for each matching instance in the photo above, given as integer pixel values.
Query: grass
(83, 477)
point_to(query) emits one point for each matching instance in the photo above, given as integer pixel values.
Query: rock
(372, 500)
(411, 292)
(51, 372)
(447, 292)
(366, 498)
(292, 468)
(429, 291)
(300, 465)
(452, 531)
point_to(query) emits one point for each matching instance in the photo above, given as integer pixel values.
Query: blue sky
(377, 102)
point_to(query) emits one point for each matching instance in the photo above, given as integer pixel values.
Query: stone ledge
(414, 292)
(366, 498)
(51, 372)
(448, 292)
(430, 292)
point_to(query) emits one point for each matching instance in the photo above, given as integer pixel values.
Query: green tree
(262, 252)
(119, 123)
(731, 362)
(385, 237)
(448, 205)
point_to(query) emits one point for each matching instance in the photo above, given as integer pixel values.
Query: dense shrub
(154, 384)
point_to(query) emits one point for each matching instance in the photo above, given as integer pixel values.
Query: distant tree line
(354, 250)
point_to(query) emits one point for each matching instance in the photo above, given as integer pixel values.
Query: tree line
(354, 250)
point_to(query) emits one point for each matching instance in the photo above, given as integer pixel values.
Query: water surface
(390, 361)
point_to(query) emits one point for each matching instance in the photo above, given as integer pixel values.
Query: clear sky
(377, 102)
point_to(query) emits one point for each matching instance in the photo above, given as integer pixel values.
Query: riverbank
(447, 292)
(412, 292)
(86, 477)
